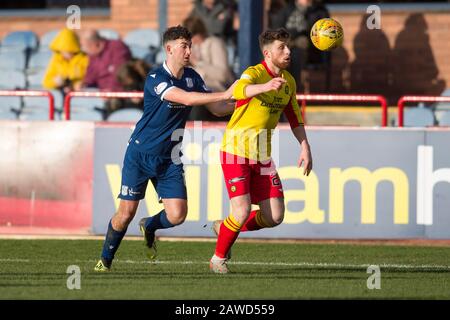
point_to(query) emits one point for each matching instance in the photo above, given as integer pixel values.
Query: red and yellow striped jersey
(249, 131)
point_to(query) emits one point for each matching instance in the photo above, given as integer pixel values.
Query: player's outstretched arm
(305, 155)
(253, 90)
(181, 96)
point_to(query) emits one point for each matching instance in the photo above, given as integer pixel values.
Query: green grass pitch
(36, 269)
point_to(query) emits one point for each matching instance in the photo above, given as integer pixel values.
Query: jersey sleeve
(249, 76)
(158, 85)
(292, 110)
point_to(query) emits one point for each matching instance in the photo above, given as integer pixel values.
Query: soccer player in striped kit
(249, 172)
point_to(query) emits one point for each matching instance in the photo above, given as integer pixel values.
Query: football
(327, 34)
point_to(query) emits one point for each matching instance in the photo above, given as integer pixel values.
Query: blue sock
(158, 221)
(112, 242)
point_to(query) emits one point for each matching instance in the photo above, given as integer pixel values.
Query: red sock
(229, 231)
(253, 222)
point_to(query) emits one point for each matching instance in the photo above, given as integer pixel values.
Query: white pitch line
(255, 263)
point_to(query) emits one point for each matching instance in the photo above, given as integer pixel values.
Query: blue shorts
(138, 168)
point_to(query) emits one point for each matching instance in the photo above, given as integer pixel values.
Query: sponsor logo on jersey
(189, 83)
(160, 87)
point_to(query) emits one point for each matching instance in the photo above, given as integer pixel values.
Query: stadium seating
(42, 102)
(20, 41)
(418, 117)
(109, 34)
(85, 114)
(143, 42)
(143, 37)
(34, 80)
(160, 57)
(46, 39)
(10, 107)
(444, 120)
(38, 61)
(11, 60)
(11, 79)
(127, 115)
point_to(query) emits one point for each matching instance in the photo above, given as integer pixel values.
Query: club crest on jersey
(189, 83)
(160, 87)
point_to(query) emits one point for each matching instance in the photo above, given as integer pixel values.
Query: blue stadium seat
(143, 42)
(445, 119)
(20, 41)
(160, 57)
(34, 114)
(418, 117)
(125, 115)
(443, 105)
(39, 61)
(7, 115)
(12, 60)
(42, 102)
(46, 39)
(109, 34)
(139, 52)
(85, 114)
(10, 79)
(87, 103)
(10, 107)
(35, 79)
(146, 38)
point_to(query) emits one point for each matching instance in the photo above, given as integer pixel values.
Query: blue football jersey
(161, 118)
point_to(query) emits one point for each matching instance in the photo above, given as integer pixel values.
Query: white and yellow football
(327, 34)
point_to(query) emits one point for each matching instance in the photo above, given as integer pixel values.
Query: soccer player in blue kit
(170, 92)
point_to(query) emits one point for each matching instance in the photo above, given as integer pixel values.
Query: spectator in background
(68, 64)
(209, 56)
(131, 76)
(105, 58)
(218, 17)
(278, 14)
(303, 15)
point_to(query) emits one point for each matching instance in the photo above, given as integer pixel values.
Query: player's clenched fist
(275, 84)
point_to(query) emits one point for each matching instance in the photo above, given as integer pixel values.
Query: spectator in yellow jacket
(68, 64)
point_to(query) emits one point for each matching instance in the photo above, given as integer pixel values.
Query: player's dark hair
(269, 36)
(174, 33)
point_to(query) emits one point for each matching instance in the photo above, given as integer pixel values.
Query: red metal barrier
(97, 94)
(34, 93)
(401, 103)
(348, 98)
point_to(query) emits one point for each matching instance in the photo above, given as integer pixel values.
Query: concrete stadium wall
(414, 61)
